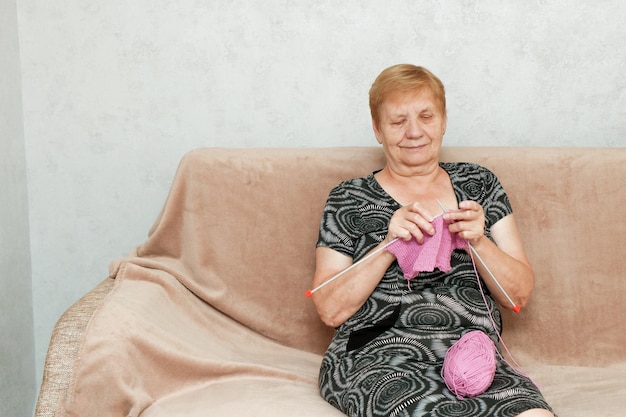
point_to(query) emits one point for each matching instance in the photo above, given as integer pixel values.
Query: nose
(414, 129)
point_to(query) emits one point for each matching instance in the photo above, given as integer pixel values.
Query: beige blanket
(215, 296)
(208, 316)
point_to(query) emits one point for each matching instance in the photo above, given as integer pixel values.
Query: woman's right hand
(410, 221)
(338, 301)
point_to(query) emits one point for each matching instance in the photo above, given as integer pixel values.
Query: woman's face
(411, 129)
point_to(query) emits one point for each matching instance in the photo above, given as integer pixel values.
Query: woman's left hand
(504, 255)
(468, 220)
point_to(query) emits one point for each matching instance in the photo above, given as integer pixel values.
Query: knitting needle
(516, 308)
(309, 293)
(360, 261)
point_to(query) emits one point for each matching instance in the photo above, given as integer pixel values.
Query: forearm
(340, 299)
(514, 276)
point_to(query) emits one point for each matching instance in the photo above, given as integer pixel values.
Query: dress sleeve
(477, 183)
(496, 205)
(339, 218)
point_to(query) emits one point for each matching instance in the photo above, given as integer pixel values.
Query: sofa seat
(574, 390)
(268, 397)
(583, 391)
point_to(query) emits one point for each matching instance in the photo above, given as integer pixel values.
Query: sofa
(208, 316)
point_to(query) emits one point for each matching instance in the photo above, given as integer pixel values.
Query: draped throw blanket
(187, 321)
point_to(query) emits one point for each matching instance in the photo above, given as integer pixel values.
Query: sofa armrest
(65, 342)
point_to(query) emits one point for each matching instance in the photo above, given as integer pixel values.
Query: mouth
(414, 147)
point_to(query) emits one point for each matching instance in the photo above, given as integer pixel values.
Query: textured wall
(116, 91)
(17, 369)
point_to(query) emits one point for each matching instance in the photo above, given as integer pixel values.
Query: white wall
(17, 369)
(116, 91)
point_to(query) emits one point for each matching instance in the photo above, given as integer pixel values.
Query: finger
(399, 229)
(457, 215)
(410, 227)
(467, 211)
(405, 233)
(421, 210)
(411, 221)
(459, 230)
(467, 230)
(416, 232)
(469, 205)
(418, 224)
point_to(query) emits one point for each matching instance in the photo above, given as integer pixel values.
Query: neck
(418, 176)
(425, 186)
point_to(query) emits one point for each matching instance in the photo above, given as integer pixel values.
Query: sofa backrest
(240, 225)
(567, 203)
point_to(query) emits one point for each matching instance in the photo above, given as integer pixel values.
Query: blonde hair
(404, 78)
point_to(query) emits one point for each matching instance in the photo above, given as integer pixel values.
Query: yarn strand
(468, 376)
(514, 306)
(517, 368)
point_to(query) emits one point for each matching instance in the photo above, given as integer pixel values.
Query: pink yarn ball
(470, 365)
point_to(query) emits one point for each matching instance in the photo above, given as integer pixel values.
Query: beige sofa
(208, 316)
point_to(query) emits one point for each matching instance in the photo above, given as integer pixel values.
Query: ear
(377, 132)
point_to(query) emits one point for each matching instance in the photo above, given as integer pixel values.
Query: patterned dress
(386, 359)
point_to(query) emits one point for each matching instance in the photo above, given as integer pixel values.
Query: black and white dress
(386, 359)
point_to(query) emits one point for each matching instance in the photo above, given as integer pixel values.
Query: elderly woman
(391, 335)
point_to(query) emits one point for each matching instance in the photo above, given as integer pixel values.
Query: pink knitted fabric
(434, 252)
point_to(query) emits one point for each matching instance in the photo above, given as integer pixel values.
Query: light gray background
(100, 99)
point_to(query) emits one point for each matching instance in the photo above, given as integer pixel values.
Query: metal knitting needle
(516, 308)
(360, 261)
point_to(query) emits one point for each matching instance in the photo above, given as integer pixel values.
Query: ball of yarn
(470, 365)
